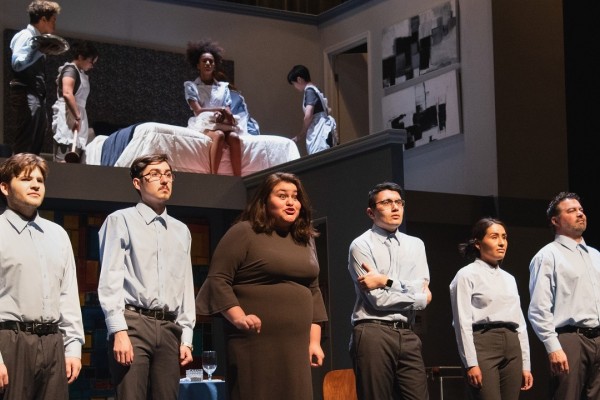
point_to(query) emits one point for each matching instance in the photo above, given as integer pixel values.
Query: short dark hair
(38, 9)
(298, 71)
(84, 49)
(468, 249)
(380, 187)
(257, 213)
(552, 210)
(139, 164)
(21, 162)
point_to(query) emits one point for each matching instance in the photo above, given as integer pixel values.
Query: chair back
(339, 384)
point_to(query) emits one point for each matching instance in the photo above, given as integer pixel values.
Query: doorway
(349, 88)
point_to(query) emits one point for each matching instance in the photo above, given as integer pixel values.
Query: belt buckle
(159, 314)
(590, 333)
(398, 324)
(36, 328)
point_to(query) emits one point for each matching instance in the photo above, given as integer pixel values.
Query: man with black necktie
(565, 302)
(391, 280)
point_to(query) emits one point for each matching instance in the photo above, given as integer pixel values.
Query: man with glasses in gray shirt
(41, 331)
(146, 287)
(391, 281)
(565, 302)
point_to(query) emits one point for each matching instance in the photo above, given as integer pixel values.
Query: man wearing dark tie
(391, 280)
(565, 302)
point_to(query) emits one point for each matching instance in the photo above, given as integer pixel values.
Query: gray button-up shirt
(481, 293)
(38, 280)
(564, 285)
(146, 262)
(402, 258)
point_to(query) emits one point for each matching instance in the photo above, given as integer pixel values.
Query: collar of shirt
(33, 30)
(491, 269)
(149, 215)
(19, 223)
(382, 235)
(570, 243)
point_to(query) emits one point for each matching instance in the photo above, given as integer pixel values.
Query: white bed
(188, 150)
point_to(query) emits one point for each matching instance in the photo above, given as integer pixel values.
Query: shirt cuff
(187, 335)
(420, 301)
(73, 350)
(552, 344)
(116, 323)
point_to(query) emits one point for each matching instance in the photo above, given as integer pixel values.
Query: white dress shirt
(146, 263)
(564, 285)
(402, 258)
(483, 294)
(38, 280)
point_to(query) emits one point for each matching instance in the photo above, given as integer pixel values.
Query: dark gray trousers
(583, 380)
(388, 363)
(35, 364)
(154, 373)
(501, 363)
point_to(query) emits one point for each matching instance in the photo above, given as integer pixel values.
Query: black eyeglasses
(387, 203)
(155, 175)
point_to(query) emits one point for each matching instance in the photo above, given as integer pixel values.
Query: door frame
(330, 86)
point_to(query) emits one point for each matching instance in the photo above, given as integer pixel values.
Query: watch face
(389, 283)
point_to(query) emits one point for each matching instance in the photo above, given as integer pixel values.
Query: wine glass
(209, 362)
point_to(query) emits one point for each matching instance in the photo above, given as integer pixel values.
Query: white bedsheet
(188, 150)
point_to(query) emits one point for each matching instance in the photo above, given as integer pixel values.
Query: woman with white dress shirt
(488, 321)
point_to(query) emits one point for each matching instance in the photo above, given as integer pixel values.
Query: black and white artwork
(429, 110)
(420, 44)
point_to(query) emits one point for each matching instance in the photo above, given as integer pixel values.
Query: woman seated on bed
(210, 100)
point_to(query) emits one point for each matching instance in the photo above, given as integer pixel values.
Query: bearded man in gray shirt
(564, 311)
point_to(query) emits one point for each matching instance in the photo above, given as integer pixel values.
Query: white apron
(63, 120)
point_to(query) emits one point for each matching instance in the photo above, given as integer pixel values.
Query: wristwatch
(389, 283)
(191, 346)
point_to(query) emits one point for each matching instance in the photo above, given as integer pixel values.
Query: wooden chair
(339, 384)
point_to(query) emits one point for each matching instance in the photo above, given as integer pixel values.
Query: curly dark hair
(196, 49)
(257, 213)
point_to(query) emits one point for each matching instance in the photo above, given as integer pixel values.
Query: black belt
(156, 314)
(494, 325)
(38, 328)
(392, 324)
(591, 333)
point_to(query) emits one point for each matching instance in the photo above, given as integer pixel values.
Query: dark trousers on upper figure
(388, 363)
(583, 380)
(154, 373)
(30, 120)
(500, 360)
(35, 364)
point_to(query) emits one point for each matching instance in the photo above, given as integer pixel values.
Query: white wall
(265, 49)
(463, 165)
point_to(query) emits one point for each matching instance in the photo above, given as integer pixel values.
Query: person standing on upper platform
(27, 94)
(318, 127)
